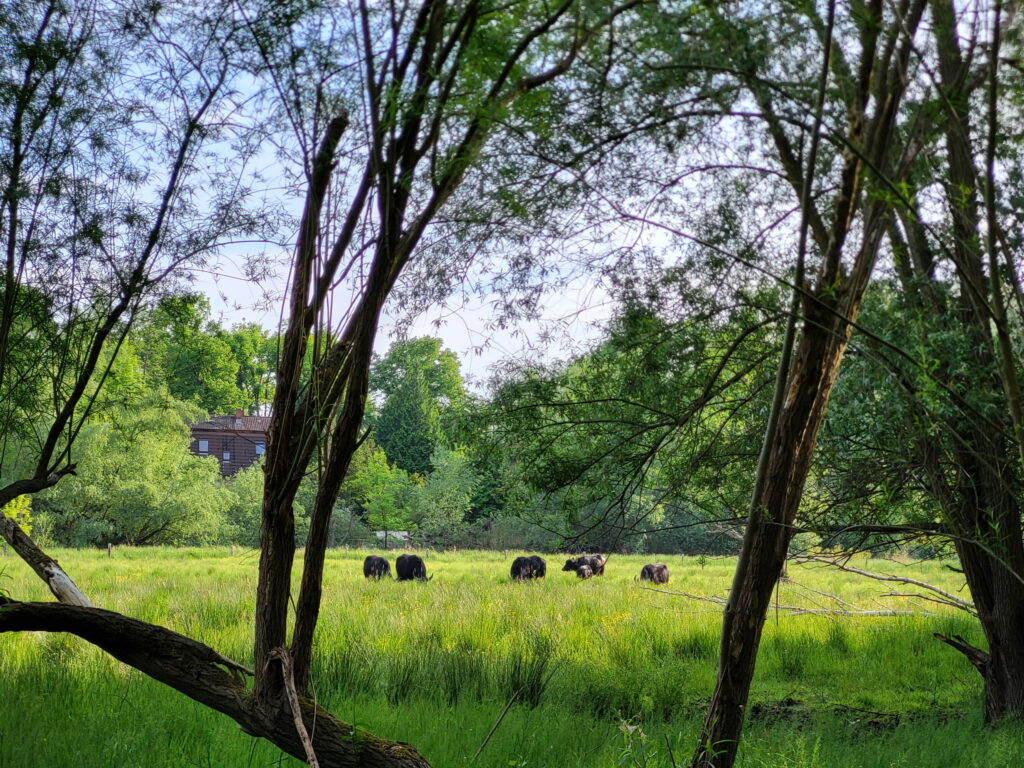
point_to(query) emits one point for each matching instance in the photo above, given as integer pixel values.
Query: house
(236, 440)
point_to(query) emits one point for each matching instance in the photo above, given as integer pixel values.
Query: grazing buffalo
(540, 567)
(532, 567)
(409, 567)
(594, 562)
(376, 567)
(584, 572)
(656, 573)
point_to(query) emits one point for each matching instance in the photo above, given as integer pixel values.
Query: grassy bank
(607, 671)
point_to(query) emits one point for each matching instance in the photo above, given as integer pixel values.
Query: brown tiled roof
(249, 423)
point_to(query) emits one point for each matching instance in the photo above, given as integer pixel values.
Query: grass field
(610, 674)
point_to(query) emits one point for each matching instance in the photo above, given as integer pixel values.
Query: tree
(401, 101)
(447, 497)
(952, 430)
(656, 423)
(243, 513)
(255, 351)
(246, 502)
(825, 307)
(421, 394)
(979, 497)
(191, 355)
(388, 495)
(136, 481)
(408, 425)
(89, 227)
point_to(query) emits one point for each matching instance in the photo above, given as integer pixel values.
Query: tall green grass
(604, 672)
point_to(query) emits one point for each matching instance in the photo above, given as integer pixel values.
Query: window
(261, 448)
(227, 455)
(238, 422)
(204, 446)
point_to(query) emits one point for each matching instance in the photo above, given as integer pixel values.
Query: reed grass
(604, 672)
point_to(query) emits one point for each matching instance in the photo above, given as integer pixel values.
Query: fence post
(110, 549)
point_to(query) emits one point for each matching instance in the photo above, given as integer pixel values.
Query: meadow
(605, 673)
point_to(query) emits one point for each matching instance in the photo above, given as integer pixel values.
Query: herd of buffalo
(409, 567)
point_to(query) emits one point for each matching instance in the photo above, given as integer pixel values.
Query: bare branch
(948, 598)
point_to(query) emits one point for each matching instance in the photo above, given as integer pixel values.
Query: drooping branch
(216, 681)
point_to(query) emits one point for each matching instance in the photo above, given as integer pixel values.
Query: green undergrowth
(605, 672)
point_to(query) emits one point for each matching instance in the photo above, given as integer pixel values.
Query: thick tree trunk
(767, 540)
(214, 681)
(980, 503)
(986, 523)
(999, 598)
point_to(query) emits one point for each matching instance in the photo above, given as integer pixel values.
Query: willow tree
(389, 110)
(951, 419)
(957, 296)
(842, 230)
(92, 225)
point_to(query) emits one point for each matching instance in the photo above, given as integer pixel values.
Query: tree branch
(976, 656)
(948, 598)
(206, 676)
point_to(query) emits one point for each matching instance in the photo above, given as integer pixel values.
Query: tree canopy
(805, 215)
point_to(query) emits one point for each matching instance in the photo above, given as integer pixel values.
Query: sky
(570, 322)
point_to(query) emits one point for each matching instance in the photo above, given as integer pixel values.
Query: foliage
(446, 498)
(421, 395)
(185, 352)
(389, 496)
(20, 511)
(93, 226)
(655, 429)
(244, 508)
(255, 351)
(138, 483)
(243, 513)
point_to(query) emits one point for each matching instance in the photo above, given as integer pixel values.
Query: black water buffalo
(409, 567)
(532, 567)
(594, 562)
(376, 567)
(656, 573)
(584, 572)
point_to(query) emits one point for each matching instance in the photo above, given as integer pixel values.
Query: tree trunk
(830, 309)
(986, 526)
(980, 503)
(766, 541)
(999, 597)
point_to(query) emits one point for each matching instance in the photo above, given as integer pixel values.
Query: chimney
(238, 413)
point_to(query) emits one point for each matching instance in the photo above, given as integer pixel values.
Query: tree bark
(769, 532)
(980, 502)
